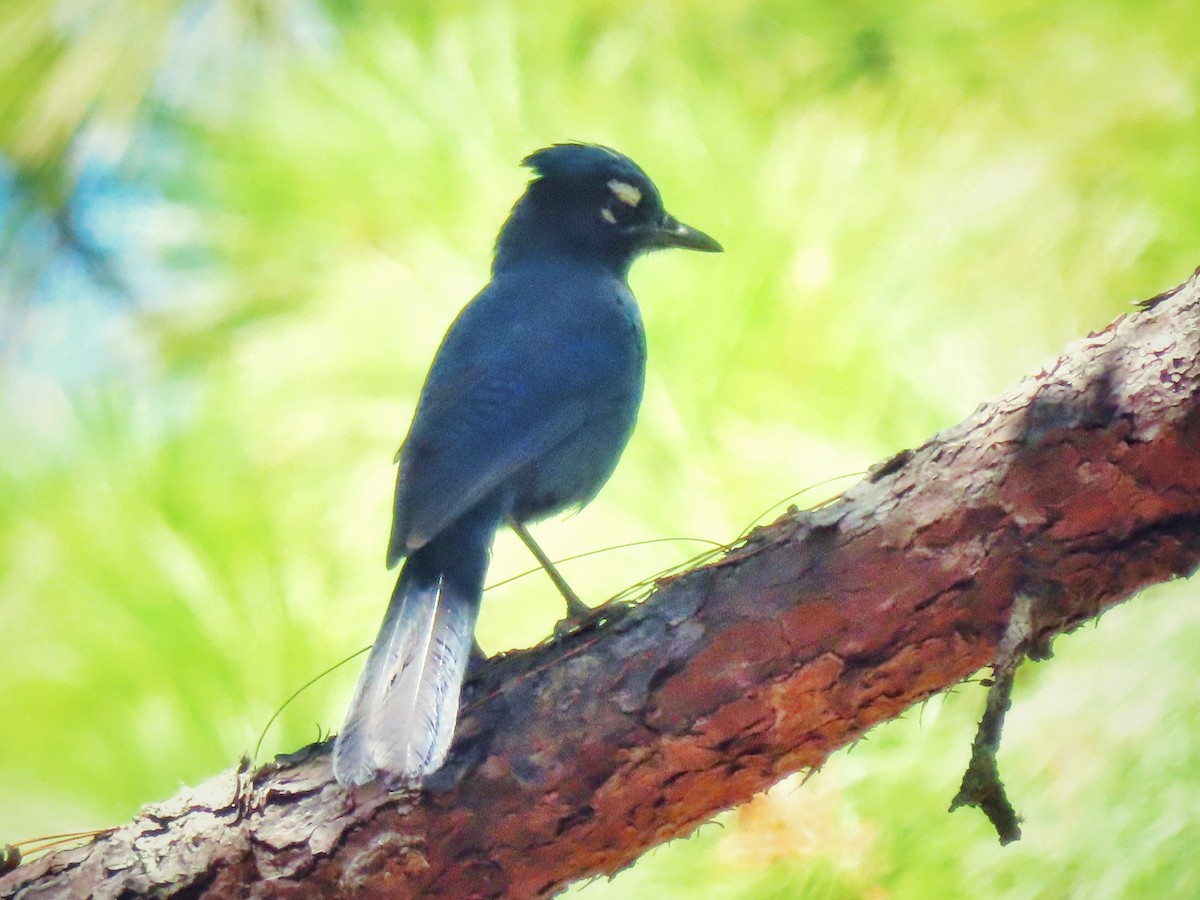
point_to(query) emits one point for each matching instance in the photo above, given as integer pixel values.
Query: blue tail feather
(402, 717)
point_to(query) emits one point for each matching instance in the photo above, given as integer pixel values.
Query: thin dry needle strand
(24, 851)
(599, 550)
(359, 652)
(804, 490)
(300, 690)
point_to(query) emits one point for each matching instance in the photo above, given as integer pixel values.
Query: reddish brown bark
(1079, 486)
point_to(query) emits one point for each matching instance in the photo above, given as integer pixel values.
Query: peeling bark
(1081, 485)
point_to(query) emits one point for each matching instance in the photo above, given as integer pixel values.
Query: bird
(526, 409)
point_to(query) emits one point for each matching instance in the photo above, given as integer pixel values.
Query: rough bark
(1079, 487)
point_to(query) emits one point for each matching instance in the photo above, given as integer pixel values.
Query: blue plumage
(525, 411)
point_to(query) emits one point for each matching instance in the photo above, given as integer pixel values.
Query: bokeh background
(232, 233)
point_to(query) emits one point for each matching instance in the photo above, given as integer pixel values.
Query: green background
(282, 205)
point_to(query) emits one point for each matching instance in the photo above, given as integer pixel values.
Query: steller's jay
(529, 403)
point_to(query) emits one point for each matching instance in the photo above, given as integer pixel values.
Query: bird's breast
(603, 340)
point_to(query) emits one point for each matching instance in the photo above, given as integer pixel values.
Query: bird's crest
(572, 162)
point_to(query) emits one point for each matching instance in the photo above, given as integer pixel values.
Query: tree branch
(1079, 486)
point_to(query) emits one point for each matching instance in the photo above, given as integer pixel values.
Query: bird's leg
(576, 608)
(476, 661)
(477, 655)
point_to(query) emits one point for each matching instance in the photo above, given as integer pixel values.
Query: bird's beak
(673, 233)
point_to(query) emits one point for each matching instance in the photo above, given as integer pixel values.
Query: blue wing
(506, 388)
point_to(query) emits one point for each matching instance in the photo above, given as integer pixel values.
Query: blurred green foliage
(921, 202)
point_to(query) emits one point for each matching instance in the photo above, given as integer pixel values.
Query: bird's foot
(578, 616)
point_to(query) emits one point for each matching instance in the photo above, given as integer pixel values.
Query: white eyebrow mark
(607, 215)
(626, 192)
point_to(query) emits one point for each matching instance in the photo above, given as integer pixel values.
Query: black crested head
(591, 203)
(575, 162)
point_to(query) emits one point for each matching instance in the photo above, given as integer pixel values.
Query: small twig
(981, 785)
